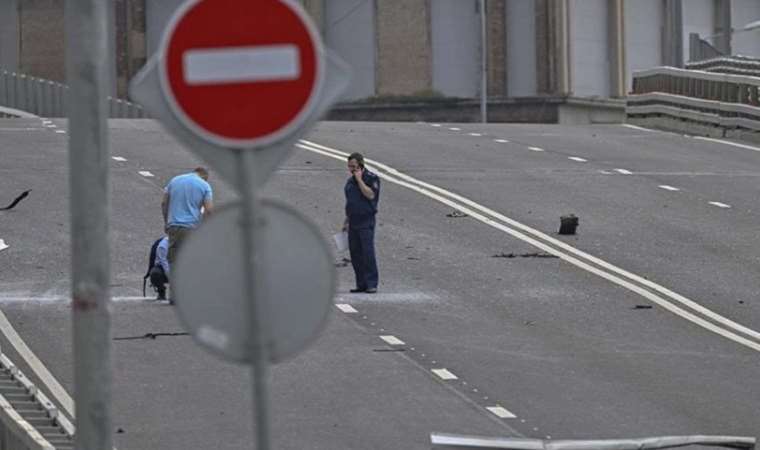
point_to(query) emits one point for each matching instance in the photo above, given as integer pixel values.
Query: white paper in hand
(341, 241)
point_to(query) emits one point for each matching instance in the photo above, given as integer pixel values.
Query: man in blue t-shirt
(187, 198)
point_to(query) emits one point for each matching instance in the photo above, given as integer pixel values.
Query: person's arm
(165, 207)
(367, 191)
(208, 207)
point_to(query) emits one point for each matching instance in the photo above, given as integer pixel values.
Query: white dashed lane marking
(720, 205)
(501, 141)
(536, 149)
(435, 125)
(60, 131)
(668, 188)
(145, 173)
(501, 412)
(475, 134)
(346, 308)
(392, 340)
(577, 159)
(623, 171)
(444, 374)
(118, 158)
(455, 129)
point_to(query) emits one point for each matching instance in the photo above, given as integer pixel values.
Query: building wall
(403, 46)
(349, 30)
(698, 17)
(521, 48)
(41, 39)
(455, 27)
(643, 36)
(743, 12)
(589, 58)
(9, 35)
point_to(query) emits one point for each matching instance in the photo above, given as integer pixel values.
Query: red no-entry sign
(241, 73)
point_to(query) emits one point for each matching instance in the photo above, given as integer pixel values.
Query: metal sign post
(238, 82)
(251, 223)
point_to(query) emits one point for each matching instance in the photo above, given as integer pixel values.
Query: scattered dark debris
(343, 263)
(150, 336)
(308, 162)
(15, 202)
(388, 349)
(523, 255)
(642, 307)
(412, 258)
(529, 323)
(456, 214)
(741, 302)
(409, 246)
(120, 431)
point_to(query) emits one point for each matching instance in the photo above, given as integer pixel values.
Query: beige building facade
(584, 48)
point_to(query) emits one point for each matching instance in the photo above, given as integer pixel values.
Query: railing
(47, 98)
(734, 65)
(722, 101)
(454, 441)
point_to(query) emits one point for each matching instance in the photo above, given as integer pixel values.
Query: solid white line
(623, 171)
(145, 173)
(118, 158)
(536, 149)
(576, 158)
(3, 245)
(346, 308)
(392, 340)
(475, 134)
(444, 374)
(428, 189)
(668, 188)
(39, 369)
(501, 412)
(501, 141)
(252, 64)
(719, 204)
(634, 127)
(455, 129)
(733, 144)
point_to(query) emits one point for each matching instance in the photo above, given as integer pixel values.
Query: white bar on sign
(241, 64)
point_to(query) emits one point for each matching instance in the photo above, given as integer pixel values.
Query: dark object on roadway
(568, 224)
(523, 255)
(18, 199)
(642, 307)
(343, 263)
(456, 214)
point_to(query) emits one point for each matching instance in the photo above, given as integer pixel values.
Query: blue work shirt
(186, 196)
(162, 254)
(359, 209)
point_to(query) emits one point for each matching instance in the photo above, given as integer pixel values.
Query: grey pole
(483, 63)
(252, 223)
(87, 75)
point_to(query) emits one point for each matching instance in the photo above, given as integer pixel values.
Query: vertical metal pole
(251, 229)
(483, 63)
(87, 75)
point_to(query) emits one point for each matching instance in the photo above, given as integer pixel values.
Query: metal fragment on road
(444, 374)
(346, 308)
(501, 412)
(392, 340)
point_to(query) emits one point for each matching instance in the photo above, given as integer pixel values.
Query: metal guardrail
(722, 101)
(735, 65)
(28, 419)
(454, 441)
(47, 98)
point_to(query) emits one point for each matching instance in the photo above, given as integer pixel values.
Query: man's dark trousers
(361, 245)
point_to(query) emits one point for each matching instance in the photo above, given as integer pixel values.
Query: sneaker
(357, 290)
(371, 290)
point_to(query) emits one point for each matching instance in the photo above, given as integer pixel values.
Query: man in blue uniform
(362, 195)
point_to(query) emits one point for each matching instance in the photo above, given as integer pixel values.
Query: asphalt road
(653, 337)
